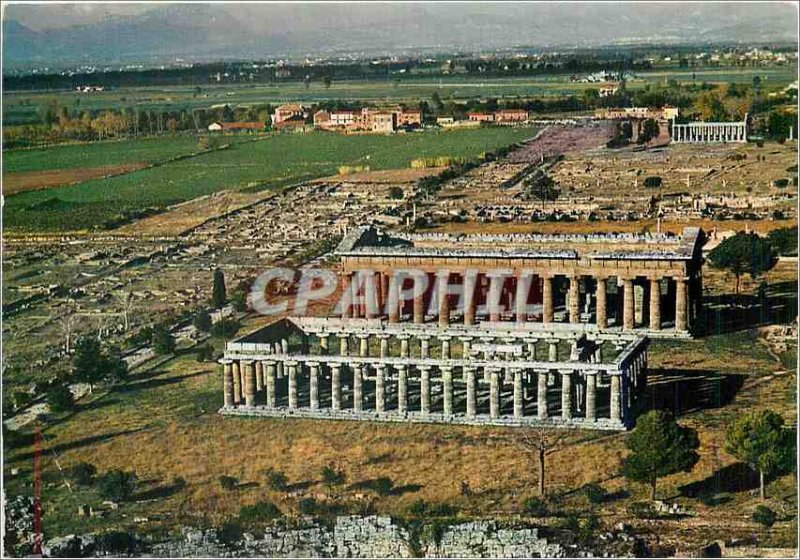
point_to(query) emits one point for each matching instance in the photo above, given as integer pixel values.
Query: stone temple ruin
(510, 330)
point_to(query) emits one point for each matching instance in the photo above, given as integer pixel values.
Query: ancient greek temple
(709, 132)
(513, 330)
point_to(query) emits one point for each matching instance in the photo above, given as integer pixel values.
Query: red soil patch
(35, 180)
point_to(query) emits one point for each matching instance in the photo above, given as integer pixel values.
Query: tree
(540, 187)
(114, 367)
(650, 130)
(83, 473)
(218, 297)
(760, 440)
(327, 81)
(784, 241)
(743, 253)
(224, 328)
(117, 485)
(60, 398)
(652, 182)
(239, 300)
(202, 320)
(396, 193)
(541, 442)
(163, 340)
(87, 365)
(659, 447)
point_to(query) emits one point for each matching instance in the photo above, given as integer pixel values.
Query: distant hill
(194, 31)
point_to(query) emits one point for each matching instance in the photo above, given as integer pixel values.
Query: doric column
(469, 298)
(402, 389)
(380, 399)
(356, 305)
(494, 394)
(237, 382)
(424, 346)
(249, 384)
(358, 383)
(424, 390)
(269, 382)
(445, 347)
(531, 347)
(566, 395)
(313, 383)
(495, 289)
(627, 304)
(466, 345)
(518, 402)
(343, 350)
(469, 373)
(347, 302)
(292, 367)
(680, 305)
(363, 346)
(384, 343)
(591, 397)
(552, 350)
(419, 300)
(601, 305)
(227, 383)
(336, 386)
(541, 394)
(442, 281)
(547, 299)
(616, 407)
(574, 300)
(521, 296)
(393, 299)
(403, 338)
(323, 344)
(447, 389)
(259, 377)
(655, 304)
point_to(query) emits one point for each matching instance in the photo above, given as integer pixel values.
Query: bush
(82, 474)
(260, 511)
(228, 482)
(202, 320)
(116, 543)
(117, 485)
(224, 328)
(205, 353)
(421, 508)
(383, 486)
(163, 340)
(652, 182)
(596, 493)
(60, 399)
(535, 507)
(642, 510)
(780, 183)
(230, 533)
(331, 476)
(764, 516)
(276, 480)
(308, 506)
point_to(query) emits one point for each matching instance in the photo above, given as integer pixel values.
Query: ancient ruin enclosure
(489, 374)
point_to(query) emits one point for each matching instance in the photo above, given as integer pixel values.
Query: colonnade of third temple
(708, 132)
(630, 302)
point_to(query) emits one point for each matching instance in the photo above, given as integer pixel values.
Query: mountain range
(166, 32)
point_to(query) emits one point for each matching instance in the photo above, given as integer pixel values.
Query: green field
(266, 163)
(21, 106)
(95, 154)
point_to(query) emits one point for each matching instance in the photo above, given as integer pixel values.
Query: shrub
(596, 493)
(228, 482)
(117, 485)
(82, 473)
(260, 511)
(652, 182)
(276, 480)
(205, 353)
(60, 398)
(202, 320)
(332, 476)
(383, 486)
(116, 543)
(421, 508)
(764, 516)
(163, 340)
(780, 183)
(642, 510)
(230, 533)
(308, 506)
(224, 328)
(535, 507)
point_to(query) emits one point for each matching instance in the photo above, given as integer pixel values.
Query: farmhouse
(286, 112)
(235, 126)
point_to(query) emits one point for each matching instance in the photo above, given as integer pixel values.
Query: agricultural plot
(256, 165)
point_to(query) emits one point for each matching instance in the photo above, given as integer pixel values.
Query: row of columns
(243, 379)
(384, 291)
(710, 132)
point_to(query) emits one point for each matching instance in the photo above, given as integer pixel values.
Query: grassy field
(257, 165)
(168, 416)
(21, 107)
